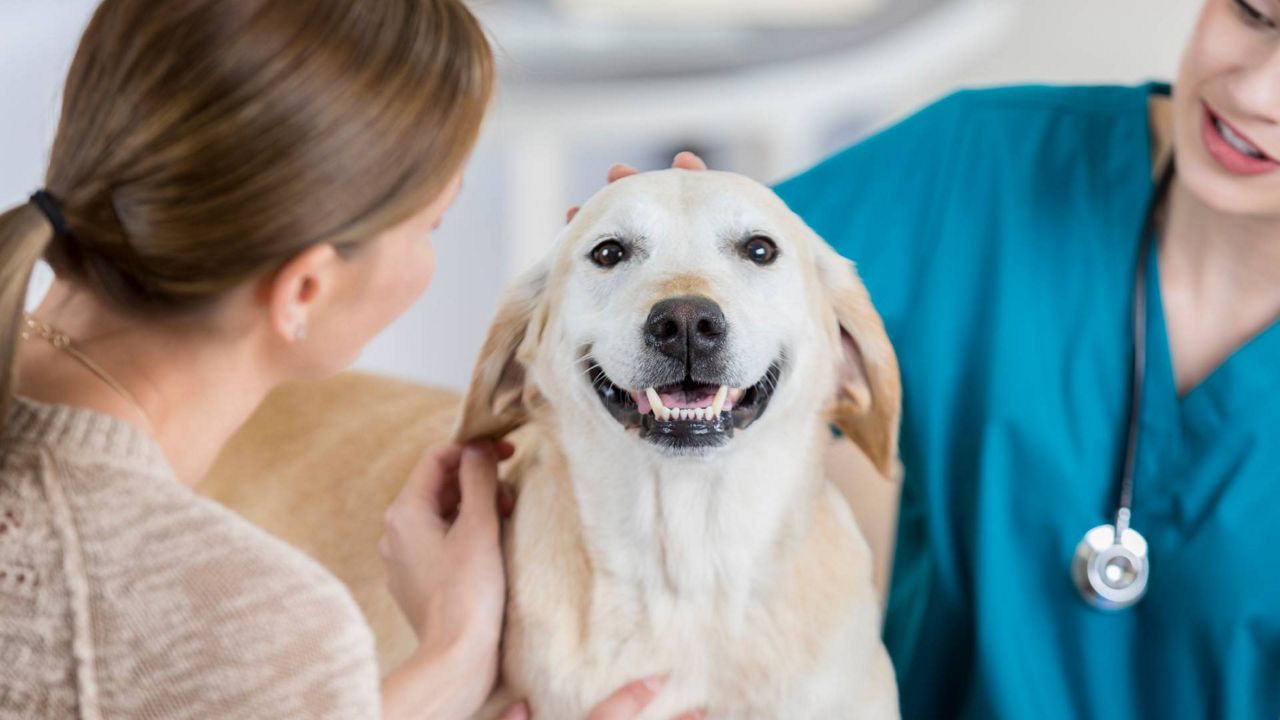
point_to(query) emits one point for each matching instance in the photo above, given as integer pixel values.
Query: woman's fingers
(627, 703)
(436, 480)
(433, 479)
(689, 161)
(624, 704)
(683, 161)
(617, 171)
(478, 481)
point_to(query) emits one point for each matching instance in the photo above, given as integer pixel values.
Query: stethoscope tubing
(1111, 568)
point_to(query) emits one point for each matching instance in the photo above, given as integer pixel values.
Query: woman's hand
(683, 161)
(442, 550)
(625, 704)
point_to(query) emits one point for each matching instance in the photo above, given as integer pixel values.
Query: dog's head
(689, 311)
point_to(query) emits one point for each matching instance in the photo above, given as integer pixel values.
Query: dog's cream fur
(739, 571)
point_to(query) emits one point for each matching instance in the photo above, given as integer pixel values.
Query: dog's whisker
(598, 382)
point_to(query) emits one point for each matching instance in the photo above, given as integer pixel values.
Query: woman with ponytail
(240, 193)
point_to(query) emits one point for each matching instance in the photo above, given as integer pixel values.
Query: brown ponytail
(24, 236)
(204, 142)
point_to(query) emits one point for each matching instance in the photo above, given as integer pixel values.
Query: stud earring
(300, 332)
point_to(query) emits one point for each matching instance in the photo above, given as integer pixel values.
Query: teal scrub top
(998, 233)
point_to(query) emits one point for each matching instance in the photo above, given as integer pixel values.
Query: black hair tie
(49, 206)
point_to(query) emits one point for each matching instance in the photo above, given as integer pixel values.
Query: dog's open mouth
(687, 414)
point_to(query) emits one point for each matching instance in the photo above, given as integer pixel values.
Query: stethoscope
(1111, 565)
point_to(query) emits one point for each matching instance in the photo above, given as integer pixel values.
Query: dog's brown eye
(608, 253)
(760, 250)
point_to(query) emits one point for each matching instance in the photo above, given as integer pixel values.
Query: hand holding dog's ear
(442, 550)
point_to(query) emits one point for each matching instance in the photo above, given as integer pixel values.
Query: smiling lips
(1231, 149)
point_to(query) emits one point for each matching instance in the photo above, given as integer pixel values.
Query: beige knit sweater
(125, 595)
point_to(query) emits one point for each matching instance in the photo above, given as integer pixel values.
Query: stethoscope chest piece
(1110, 569)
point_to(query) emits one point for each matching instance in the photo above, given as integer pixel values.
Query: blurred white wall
(1049, 40)
(1083, 41)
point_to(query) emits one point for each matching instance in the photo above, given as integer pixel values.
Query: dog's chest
(796, 649)
(789, 637)
(734, 663)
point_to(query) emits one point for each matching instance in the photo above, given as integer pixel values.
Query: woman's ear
(496, 402)
(293, 292)
(868, 395)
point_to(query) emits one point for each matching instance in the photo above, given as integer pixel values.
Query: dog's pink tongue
(677, 399)
(687, 399)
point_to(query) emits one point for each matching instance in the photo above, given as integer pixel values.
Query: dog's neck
(718, 529)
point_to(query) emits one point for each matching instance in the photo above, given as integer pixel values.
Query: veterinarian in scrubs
(1001, 234)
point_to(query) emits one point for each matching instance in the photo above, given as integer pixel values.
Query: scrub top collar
(1230, 393)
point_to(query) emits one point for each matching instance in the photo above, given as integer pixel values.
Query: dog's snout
(685, 328)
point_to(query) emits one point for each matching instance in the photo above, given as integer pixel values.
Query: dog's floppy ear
(868, 397)
(496, 401)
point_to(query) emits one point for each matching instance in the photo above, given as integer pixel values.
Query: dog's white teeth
(718, 404)
(704, 414)
(655, 401)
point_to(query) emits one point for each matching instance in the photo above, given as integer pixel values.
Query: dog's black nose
(686, 328)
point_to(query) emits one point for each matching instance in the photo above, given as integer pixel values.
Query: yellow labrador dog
(677, 362)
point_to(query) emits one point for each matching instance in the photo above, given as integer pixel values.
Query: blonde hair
(203, 142)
